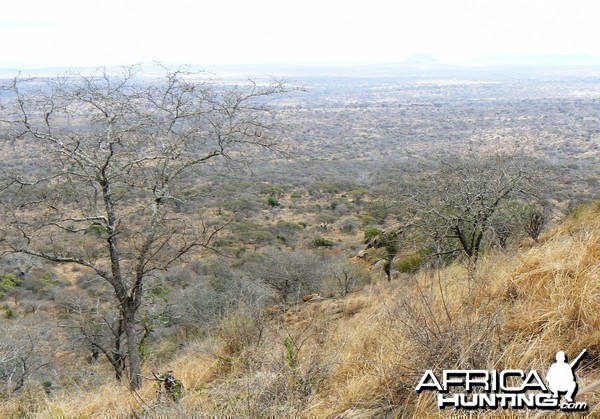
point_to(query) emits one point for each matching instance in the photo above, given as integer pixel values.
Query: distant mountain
(540, 59)
(420, 59)
(415, 64)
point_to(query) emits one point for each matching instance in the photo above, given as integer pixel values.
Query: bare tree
(24, 352)
(456, 202)
(536, 218)
(347, 275)
(291, 274)
(101, 331)
(114, 151)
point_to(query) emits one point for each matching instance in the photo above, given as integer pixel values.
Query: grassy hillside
(362, 355)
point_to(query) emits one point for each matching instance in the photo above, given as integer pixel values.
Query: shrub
(358, 194)
(285, 231)
(410, 264)
(8, 281)
(347, 276)
(9, 313)
(291, 353)
(274, 191)
(290, 275)
(273, 201)
(348, 227)
(536, 218)
(241, 328)
(371, 233)
(248, 231)
(322, 242)
(442, 330)
(96, 229)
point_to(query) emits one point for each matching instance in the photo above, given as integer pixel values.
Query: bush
(273, 201)
(348, 227)
(290, 275)
(536, 218)
(251, 232)
(9, 313)
(443, 331)
(7, 282)
(218, 291)
(285, 229)
(410, 264)
(346, 276)
(371, 233)
(322, 242)
(273, 191)
(241, 328)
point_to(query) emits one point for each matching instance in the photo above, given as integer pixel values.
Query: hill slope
(363, 355)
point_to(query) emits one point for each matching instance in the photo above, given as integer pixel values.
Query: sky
(47, 33)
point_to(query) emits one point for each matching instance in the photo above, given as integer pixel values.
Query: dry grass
(362, 356)
(554, 292)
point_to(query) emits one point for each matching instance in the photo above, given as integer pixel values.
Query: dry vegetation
(363, 354)
(330, 222)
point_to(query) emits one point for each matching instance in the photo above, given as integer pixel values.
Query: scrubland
(338, 275)
(362, 355)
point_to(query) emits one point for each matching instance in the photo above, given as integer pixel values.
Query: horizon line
(417, 59)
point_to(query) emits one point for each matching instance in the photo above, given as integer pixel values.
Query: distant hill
(542, 59)
(420, 59)
(414, 64)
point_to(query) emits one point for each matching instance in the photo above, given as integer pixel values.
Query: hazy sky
(113, 32)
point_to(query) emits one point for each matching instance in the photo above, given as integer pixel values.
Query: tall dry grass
(362, 356)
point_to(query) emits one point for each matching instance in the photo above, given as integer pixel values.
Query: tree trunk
(135, 371)
(388, 267)
(118, 359)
